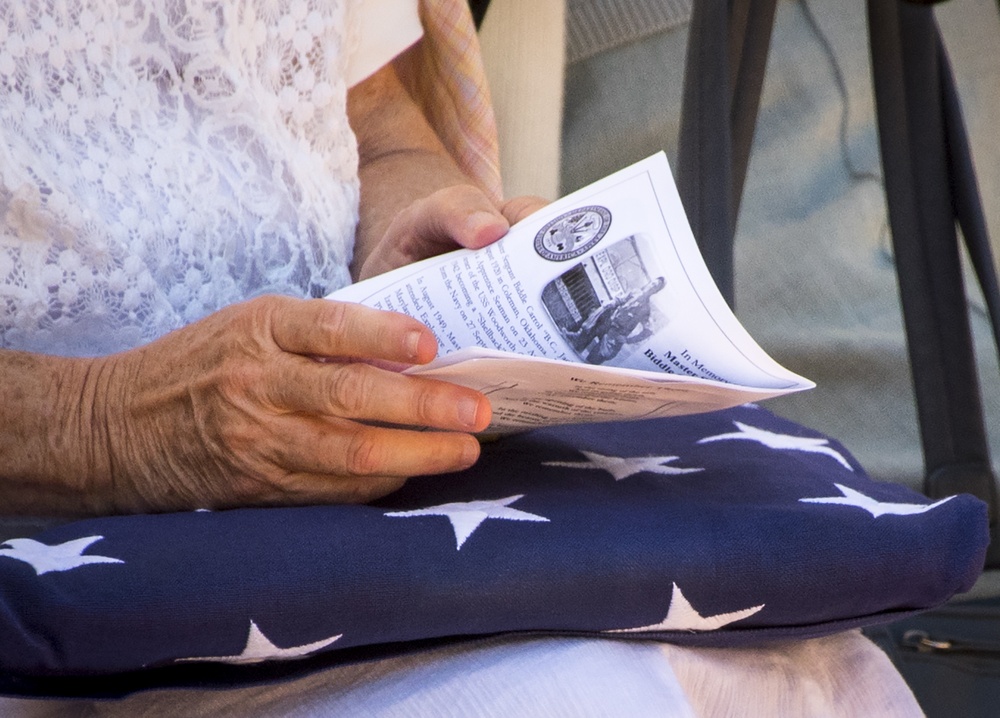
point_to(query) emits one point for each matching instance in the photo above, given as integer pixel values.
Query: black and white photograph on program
(607, 305)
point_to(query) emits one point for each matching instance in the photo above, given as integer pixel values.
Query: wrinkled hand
(236, 410)
(453, 217)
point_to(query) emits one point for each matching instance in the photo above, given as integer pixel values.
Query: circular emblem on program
(572, 234)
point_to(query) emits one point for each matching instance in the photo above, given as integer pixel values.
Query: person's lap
(843, 674)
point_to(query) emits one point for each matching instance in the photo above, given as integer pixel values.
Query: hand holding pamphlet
(598, 307)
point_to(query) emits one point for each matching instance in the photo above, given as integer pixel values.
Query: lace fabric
(160, 159)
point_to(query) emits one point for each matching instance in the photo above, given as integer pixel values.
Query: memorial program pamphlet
(599, 307)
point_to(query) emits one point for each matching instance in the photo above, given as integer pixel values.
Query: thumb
(461, 214)
(517, 208)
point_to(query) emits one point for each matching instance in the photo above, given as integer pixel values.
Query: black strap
(929, 184)
(723, 75)
(478, 8)
(966, 198)
(704, 155)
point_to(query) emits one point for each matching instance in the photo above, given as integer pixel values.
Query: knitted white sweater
(160, 159)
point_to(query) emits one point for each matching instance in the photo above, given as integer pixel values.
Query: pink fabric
(453, 92)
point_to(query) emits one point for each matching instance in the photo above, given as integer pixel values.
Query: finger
(454, 217)
(366, 393)
(517, 208)
(323, 327)
(461, 214)
(305, 488)
(348, 449)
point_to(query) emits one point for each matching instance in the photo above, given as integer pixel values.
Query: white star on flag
(259, 649)
(874, 507)
(681, 616)
(621, 467)
(465, 516)
(61, 557)
(780, 441)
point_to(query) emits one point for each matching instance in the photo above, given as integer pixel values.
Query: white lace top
(160, 159)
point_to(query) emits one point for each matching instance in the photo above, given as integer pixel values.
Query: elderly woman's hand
(415, 201)
(453, 217)
(237, 410)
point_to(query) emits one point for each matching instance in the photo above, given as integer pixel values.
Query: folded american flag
(727, 528)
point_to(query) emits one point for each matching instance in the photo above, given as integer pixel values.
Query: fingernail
(468, 411)
(413, 343)
(478, 221)
(470, 453)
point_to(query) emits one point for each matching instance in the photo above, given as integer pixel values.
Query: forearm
(401, 160)
(390, 184)
(52, 434)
